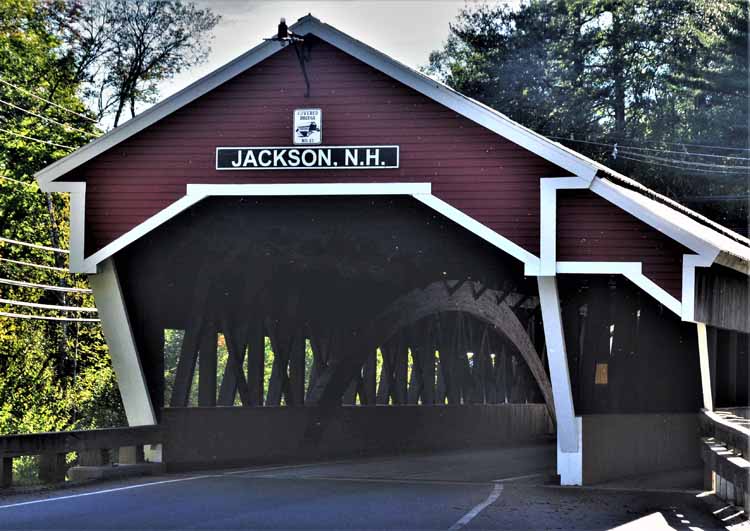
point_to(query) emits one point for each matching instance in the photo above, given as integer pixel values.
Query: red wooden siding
(470, 167)
(589, 228)
(489, 178)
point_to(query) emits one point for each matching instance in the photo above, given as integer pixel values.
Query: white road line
(163, 482)
(518, 478)
(374, 480)
(106, 491)
(468, 517)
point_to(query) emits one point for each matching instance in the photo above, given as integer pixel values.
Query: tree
(52, 375)
(122, 49)
(652, 78)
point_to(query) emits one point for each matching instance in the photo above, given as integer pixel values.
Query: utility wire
(46, 118)
(22, 284)
(16, 181)
(692, 145)
(36, 139)
(29, 264)
(34, 245)
(25, 91)
(677, 167)
(741, 169)
(48, 306)
(49, 318)
(620, 146)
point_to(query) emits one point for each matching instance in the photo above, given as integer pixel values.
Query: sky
(406, 30)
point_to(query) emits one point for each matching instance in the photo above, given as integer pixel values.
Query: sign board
(308, 126)
(307, 158)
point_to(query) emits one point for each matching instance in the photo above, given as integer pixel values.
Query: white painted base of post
(570, 464)
(569, 438)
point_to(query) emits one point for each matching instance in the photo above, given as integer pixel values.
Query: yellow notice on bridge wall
(602, 374)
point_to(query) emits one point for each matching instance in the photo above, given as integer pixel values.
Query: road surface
(506, 488)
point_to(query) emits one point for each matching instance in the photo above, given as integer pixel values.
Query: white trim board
(198, 192)
(706, 253)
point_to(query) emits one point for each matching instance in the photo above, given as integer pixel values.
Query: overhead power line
(22, 284)
(705, 170)
(621, 146)
(36, 139)
(691, 145)
(47, 306)
(34, 245)
(46, 118)
(25, 91)
(740, 169)
(16, 181)
(49, 318)
(37, 266)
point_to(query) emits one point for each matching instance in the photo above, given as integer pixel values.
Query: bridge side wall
(621, 446)
(254, 436)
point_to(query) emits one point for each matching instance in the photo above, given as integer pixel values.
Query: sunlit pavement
(493, 489)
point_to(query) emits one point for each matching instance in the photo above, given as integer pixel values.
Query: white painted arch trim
(197, 192)
(704, 256)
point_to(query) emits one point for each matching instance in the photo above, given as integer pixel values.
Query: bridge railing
(726, 454)
(92, 446)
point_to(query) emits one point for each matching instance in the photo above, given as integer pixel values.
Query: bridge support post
(569, 443)
(52, 468)
(122, 348)
(6, 472)
(705, 366)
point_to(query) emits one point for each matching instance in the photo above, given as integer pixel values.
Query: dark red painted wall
(489, 178)
(591, 228)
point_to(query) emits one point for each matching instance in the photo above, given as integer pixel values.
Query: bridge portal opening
(325, 301)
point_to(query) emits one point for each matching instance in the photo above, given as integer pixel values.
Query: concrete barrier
(621, 446)
(231, 436)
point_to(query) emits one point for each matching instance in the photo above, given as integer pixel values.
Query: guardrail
(726, 454)
(92, 446)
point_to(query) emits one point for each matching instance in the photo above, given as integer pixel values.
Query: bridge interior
(365, 300)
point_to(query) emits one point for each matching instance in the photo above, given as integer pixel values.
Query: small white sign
(308, 126)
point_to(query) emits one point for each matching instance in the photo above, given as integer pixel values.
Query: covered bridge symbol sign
(308, 126)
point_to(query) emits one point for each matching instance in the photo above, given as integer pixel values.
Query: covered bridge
(397, 243)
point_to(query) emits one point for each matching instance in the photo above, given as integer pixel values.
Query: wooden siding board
(592, 229)
(471, 168)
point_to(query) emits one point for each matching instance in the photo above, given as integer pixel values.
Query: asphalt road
(499, 489)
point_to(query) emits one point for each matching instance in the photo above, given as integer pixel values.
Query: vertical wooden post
(52, 468)
(97, 457)
(427, 366)
(385, 387)
(400, 372)
(6, 472)
(207, 366)
(415, 382)
(186, 366)
(256, 362)
(368, 379)
(296, 394)
(131, 455)
(279, 382)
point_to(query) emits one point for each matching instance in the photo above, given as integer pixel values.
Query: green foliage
(646, 74)
(53, 376)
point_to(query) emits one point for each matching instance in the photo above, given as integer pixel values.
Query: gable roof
(646, 202)
(566, 158)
